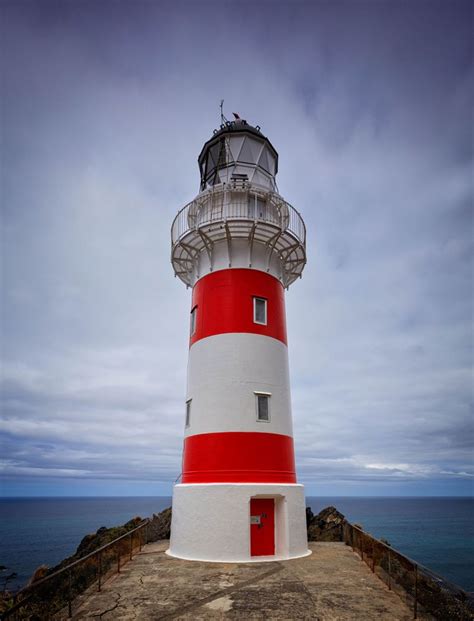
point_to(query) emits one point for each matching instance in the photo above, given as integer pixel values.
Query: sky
(106, 106)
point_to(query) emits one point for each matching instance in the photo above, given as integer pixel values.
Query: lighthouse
(238, 245)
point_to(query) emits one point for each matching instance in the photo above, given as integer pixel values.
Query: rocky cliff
(327, 525)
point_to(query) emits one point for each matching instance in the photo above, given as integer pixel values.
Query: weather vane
(223, 119)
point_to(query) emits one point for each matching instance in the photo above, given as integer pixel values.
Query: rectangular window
(263, 407)
(193, 320)
(188, 412)
(260, 311)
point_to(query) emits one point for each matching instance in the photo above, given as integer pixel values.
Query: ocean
(436, 532)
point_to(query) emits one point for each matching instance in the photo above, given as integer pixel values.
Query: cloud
(107, 108)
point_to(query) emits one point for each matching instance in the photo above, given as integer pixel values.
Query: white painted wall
(211, 522)
(240, 257)
(224, 371)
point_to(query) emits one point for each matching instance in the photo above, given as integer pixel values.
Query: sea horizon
(45, 497)
(435, 531)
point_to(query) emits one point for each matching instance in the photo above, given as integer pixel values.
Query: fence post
(69, 602)
(140, 535)
(131, 545)
(415, 609)
(373, 556)
(361, 546)
(118, 559)
(389, 570)
(100, 570)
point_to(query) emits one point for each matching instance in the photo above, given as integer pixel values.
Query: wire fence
(423, 589)
(57, 592)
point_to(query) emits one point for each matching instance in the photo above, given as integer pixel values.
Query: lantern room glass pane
(246, 154)
(235, 146)
(263, 161)
(213, 155)
(222, 155)
(256, 148)
(271, 162)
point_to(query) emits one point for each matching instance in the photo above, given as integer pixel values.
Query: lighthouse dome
(238, 152)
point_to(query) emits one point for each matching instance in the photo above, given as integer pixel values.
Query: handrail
(28, 591)
(391, 549)
(292, 222)
(448, 597)
(83, 558)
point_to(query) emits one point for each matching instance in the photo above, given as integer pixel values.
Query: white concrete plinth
(211, 521)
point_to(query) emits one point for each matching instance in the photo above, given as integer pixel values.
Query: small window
(193, 320)
(260, 311)
(263, 407)
(188, 412)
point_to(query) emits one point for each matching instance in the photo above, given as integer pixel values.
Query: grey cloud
(106, 109)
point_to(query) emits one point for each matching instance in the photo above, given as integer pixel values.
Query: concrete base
(211, 522)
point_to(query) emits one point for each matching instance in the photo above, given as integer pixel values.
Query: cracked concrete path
(330, 585)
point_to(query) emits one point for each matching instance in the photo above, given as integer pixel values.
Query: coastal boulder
(159, 527)
(327, 525)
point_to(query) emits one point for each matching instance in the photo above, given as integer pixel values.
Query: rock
(159, 526)
(326, 526)
(91, 542)
(85, 544)
(39, 573)
(133, 523)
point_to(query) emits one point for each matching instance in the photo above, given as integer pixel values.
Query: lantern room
(238, 152)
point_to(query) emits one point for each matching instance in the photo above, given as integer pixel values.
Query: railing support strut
(415, 607)
(69, 594)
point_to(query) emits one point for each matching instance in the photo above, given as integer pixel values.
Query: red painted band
(224, 303)
(238, 457)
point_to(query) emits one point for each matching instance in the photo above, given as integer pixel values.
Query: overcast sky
(106, 108)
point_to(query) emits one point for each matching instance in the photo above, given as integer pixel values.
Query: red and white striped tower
(238, 244)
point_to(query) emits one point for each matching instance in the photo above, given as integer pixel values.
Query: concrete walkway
(330, 585)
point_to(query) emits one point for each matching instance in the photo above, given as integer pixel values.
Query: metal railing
(44, 598)
(241, 203)
(423, 588)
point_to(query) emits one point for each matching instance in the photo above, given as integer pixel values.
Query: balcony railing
(239, 203)
(238, 211)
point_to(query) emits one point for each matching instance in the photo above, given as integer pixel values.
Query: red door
(262, 526)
